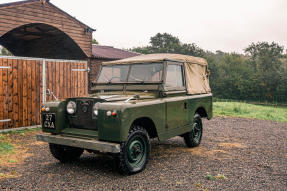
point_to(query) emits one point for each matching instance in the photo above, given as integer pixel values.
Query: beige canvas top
(196, 71)
(158, 57)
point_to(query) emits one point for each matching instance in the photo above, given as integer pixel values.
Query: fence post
(87, 78)
(44, 81)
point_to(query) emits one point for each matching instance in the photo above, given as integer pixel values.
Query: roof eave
(17, 3)
(51, 4)
(64, 12)
(105, 58)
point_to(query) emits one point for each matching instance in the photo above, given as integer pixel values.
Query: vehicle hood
(125, 97)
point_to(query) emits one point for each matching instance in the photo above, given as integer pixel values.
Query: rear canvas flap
(197, 79)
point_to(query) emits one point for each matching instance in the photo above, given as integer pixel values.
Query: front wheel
(193, 138)
(65, 153)
(135, 151)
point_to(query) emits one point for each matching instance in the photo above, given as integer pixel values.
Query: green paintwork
(59, 108)
(172, 112)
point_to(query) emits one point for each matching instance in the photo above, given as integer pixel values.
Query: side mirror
(48, 93)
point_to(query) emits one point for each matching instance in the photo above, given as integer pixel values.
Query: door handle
(185, 105)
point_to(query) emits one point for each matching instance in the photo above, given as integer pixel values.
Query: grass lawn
(237, 109)
(10, 147)
(5, 146)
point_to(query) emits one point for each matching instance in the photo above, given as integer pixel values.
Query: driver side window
(174, 76)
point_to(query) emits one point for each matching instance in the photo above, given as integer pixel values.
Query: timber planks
(21, 87)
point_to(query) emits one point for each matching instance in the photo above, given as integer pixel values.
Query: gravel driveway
(248, 154)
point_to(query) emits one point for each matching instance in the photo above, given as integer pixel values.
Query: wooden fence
(24, 83)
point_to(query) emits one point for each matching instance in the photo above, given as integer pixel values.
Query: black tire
(193, 138)
(65, 153)
(135, 151)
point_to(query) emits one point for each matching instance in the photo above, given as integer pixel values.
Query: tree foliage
(265, 57)
(166, 43)
(260, 74)
(94, 41)
(5, 52)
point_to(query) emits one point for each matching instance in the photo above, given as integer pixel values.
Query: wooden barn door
(66, 79)
(5, 69)
(20, 92)
(24, 83)
(80, 79)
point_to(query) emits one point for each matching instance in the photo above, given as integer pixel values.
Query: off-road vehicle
(133, 100)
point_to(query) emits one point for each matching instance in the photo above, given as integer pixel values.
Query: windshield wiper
(133, 97)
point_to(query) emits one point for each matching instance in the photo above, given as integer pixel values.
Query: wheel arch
(148, 124)
(202, 112)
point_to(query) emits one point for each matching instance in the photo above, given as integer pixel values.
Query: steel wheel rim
(136, 152)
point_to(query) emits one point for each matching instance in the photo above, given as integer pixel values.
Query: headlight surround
(71, 107)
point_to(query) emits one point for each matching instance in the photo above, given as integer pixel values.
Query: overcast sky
(227, 25)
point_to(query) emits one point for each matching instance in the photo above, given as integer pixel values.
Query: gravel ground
(249, 154)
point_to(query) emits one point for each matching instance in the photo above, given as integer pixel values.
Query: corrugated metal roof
(111, 53)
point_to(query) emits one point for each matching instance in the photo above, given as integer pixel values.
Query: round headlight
(109, 113)
(71, 107)
(95, 110)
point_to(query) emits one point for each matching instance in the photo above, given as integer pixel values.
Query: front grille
(84, 108)
(84, 118)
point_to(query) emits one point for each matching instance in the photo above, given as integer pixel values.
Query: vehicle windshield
(115, 73)
(148, 72)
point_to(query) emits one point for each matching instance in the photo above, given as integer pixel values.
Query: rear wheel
(135, 151)
(65, 153)
(193, 138)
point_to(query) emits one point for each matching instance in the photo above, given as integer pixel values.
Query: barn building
(52, 51)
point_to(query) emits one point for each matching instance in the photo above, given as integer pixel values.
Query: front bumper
(101, 146)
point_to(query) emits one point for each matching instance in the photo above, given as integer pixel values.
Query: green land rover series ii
(133, 100)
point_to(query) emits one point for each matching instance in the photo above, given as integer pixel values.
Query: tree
(265, 57)
(282, 87)
(232, 77)
(5, 52)
(266, 60)
(94, 41)
(166, 43)
(192, 49)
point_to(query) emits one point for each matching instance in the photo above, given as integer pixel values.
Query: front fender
(117, 128)
(58, 108)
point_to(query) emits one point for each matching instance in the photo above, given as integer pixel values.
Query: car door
(176, 104)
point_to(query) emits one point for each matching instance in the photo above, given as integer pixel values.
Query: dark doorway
(42, 41)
